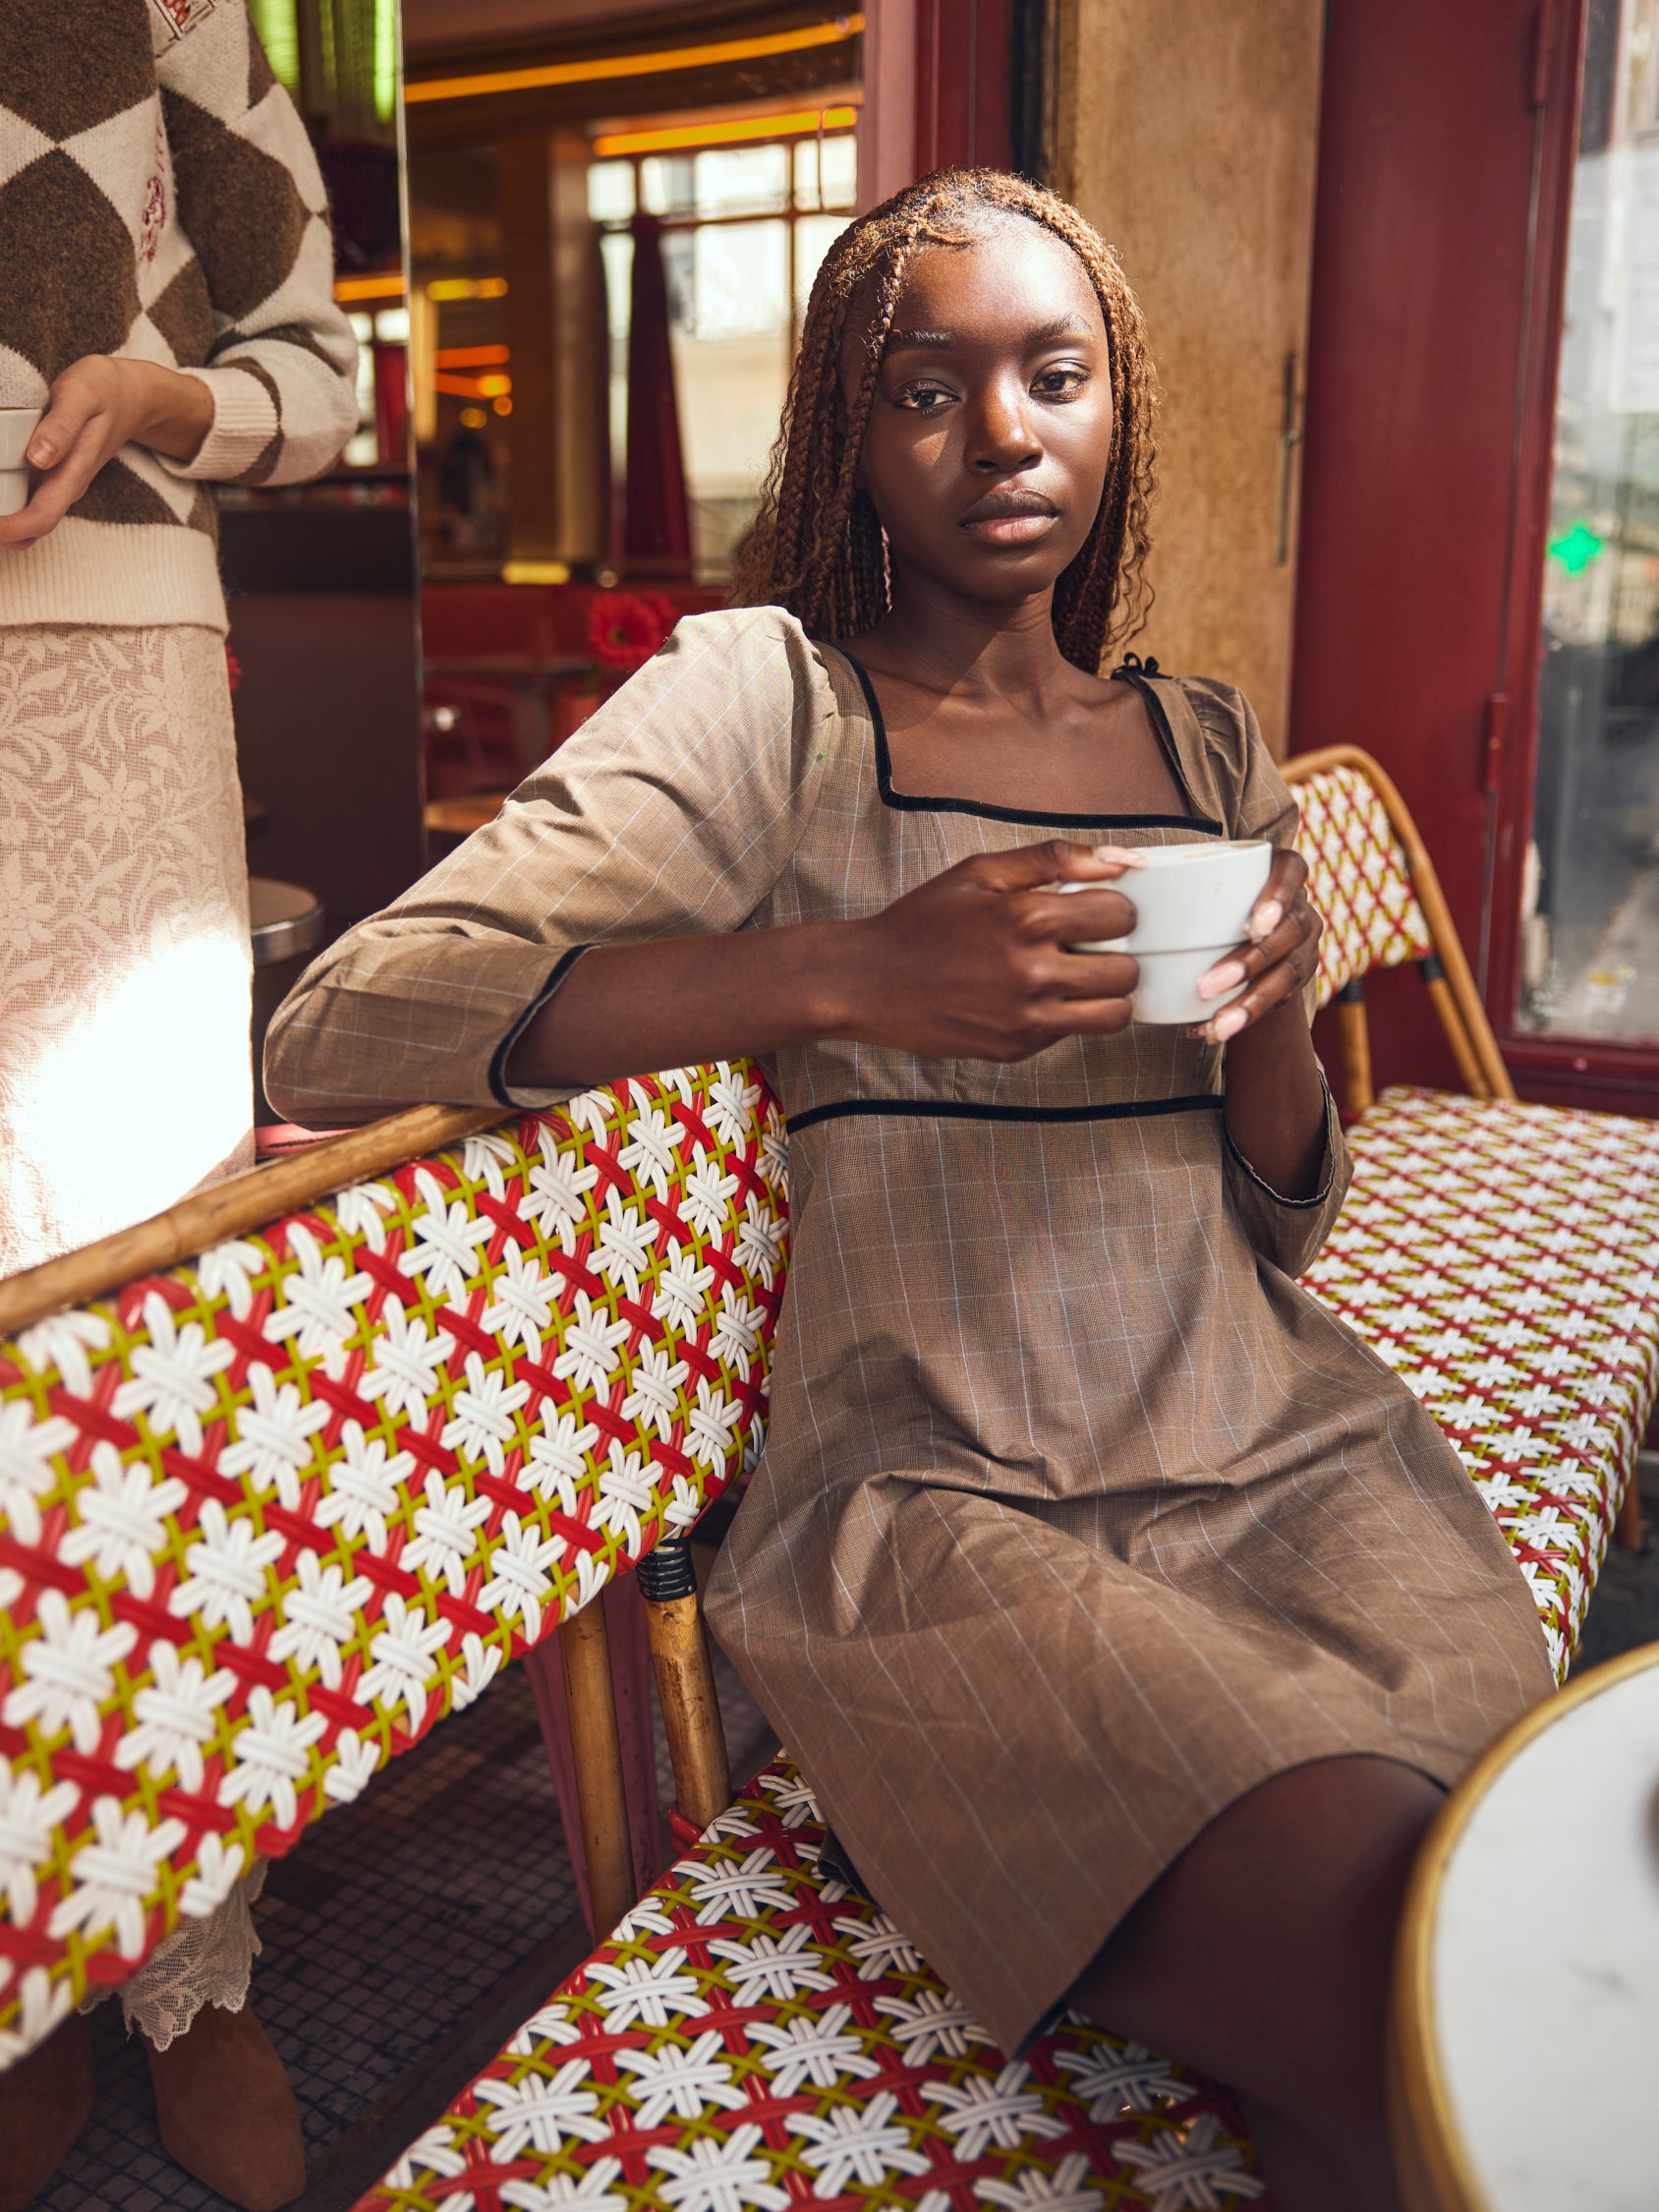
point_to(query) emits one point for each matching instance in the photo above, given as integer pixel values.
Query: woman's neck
(936, 639)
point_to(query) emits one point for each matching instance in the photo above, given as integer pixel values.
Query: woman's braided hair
(816, 546)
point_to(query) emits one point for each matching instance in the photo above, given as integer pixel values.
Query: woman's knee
(1262, 1953)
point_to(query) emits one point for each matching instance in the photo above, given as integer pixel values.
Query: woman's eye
(1061, 383)
(924, 400)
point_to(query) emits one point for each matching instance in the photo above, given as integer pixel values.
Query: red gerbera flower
(624, 628)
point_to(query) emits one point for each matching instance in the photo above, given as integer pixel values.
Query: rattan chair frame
(1449, 982)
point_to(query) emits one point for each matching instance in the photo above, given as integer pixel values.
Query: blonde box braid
(816, 546)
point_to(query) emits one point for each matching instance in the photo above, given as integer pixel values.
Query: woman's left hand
(1280, 960)
(97, 406)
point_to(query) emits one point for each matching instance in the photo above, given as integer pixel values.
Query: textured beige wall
(1186, 131)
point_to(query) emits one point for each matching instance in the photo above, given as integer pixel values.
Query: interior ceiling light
(388, 285)
(602, 69)
(801, 123)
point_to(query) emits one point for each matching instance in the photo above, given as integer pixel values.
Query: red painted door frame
(964, 84)
(1446, 154)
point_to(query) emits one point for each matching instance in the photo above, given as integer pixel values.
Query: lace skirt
(124, 1070)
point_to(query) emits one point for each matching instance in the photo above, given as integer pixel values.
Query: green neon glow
(1574, 548)
(385, 58)
(277, 23)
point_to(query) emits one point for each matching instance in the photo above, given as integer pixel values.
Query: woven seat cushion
(756, 2035)
(1504, 1259)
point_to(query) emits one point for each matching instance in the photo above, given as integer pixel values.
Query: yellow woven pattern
(1358, 879)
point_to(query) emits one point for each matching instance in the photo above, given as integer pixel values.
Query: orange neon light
(387, 286)
(467, 288)
(472, 387)
(599, 70)
(797, 125)
(470, 357)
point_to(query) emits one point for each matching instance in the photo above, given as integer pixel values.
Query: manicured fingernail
(1118, 853)
(1221, 979)
(41, 452)
(1228, 1024)
(1266, 919)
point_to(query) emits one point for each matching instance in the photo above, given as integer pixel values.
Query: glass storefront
(1590, 899)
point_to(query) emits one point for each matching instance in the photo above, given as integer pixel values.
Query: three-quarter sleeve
(1254, 801)
(673, 811)
(282, 361)
(1288, 1232)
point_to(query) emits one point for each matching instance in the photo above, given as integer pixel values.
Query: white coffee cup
(16, 427)
(1192, 908)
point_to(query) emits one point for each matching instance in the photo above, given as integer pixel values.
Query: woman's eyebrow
(1044, 333)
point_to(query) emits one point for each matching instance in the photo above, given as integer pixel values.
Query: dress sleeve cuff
(1333, 1146)
(533, 1101)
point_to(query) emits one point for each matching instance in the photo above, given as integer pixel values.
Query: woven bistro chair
(290, 1471)
(1503, 1257)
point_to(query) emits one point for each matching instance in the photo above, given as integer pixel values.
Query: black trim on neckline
(905, 803)
(967, 1110)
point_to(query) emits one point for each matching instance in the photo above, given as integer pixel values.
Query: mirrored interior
(614, 223)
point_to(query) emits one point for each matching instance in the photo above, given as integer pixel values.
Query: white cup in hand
(18, 425)
(1192, 908)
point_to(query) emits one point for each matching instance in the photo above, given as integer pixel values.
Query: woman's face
(988, 443)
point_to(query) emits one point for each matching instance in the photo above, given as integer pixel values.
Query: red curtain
(656, 539)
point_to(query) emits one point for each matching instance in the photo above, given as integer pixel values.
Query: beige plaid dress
(1077, 1518)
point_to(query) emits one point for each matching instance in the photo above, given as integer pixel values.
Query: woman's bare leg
(1262, 1957)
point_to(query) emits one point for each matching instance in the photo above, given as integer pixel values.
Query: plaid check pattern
(1357, 880)
(264, 1519)
(1504, 1259)
(756, 2035)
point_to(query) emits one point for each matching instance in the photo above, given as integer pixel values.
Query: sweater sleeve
(672, 812)
(251, 200)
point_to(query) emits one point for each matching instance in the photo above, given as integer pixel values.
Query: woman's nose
(1001, 434)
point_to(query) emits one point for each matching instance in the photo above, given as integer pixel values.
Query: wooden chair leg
(685, 1682)
(585, 1648)
(1456, 1032)
(1358, 1094)
(1630, 1529)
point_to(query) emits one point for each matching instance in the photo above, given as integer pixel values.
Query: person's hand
(974, 964)
(97, 406)
(1280, 960)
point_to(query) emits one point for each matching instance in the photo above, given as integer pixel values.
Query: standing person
(1127, 1616)
(167, 300)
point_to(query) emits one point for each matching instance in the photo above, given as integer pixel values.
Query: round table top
(1530, 1989)
(286, 920)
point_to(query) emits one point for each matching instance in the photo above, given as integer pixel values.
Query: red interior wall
(1424, 413)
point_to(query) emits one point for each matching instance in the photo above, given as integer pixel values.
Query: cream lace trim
(205, 1962)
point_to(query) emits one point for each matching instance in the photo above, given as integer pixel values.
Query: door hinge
(1545, 26)
(1491, 752)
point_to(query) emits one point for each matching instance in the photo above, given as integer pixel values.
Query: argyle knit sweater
(160, 201)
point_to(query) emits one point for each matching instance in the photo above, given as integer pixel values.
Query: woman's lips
(1011, 529)
(1010, 518)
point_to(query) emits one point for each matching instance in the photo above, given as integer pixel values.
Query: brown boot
(227, 2112)
(44, 2103)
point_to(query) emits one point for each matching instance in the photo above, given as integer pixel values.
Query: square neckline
(914, 803)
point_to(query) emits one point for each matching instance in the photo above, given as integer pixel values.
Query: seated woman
(1127, 1616)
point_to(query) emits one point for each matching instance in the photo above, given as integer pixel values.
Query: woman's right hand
(974, 964)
